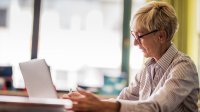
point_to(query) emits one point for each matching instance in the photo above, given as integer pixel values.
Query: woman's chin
(146, 55)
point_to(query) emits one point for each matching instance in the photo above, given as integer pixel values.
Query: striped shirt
(169, 85)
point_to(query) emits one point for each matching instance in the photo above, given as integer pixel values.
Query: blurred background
(85, 42)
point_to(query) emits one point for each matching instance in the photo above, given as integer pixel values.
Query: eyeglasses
(141, 36)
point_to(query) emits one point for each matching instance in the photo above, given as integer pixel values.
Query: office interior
(86, 43)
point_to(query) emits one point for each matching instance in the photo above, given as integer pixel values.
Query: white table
(25, 104)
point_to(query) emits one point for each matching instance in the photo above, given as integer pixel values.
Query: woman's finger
(86, 93)
(72, 94)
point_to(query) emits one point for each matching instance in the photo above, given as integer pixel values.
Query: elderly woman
(168, 81)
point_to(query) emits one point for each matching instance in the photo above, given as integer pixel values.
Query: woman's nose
(135, 42)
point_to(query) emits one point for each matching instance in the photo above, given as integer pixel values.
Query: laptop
(37, 78)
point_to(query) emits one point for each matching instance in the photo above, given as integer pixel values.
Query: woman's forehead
(137, 26)
(137, 29)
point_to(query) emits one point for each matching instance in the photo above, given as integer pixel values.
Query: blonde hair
(156, 15)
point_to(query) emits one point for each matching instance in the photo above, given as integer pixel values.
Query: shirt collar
(166, 59)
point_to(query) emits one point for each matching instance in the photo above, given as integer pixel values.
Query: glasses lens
(134, 36)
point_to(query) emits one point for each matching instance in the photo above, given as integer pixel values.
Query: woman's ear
(162, 36)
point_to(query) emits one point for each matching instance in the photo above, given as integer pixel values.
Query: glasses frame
(141, 36)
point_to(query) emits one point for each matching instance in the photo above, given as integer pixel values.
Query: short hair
(156, 15)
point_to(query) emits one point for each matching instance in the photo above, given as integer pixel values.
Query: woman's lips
(142, 49)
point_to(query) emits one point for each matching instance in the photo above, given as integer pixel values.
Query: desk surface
(24, 93)
(21, 93)
(24, 104)
(13, 93)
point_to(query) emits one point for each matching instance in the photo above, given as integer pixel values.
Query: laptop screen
(38, 79)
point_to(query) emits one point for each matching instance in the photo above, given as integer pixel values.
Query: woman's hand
(84, 101)
(73, 94)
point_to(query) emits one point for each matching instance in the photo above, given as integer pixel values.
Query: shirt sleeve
(183, 79)
(132, 91)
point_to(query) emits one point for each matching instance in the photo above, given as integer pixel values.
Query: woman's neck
(162, 51)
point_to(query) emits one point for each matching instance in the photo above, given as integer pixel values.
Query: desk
(25, 104)
(21, 93)
(13, 93)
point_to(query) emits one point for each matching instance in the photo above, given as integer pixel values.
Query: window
(15, 38)
(3, 15)
(80, 39)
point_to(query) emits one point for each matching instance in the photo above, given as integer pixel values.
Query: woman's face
(148, 42)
